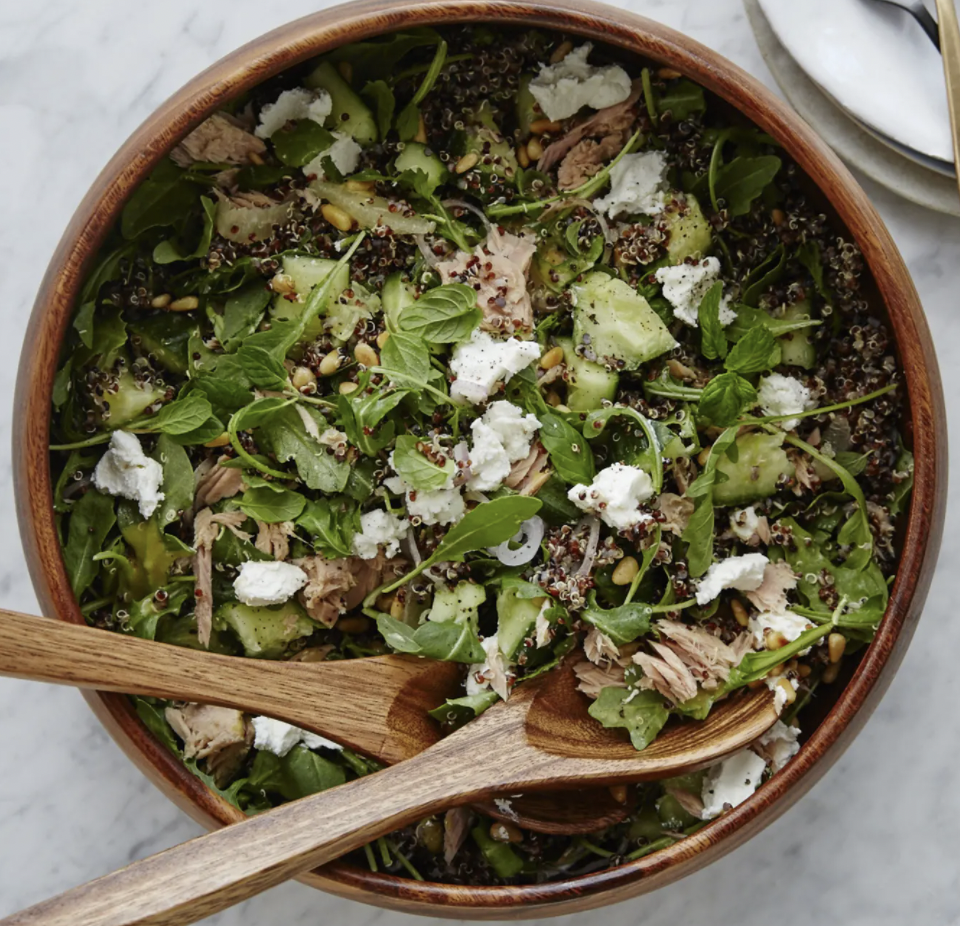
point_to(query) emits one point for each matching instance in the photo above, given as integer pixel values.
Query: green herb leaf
(415, 468)
(272, 507)
(443, 315)
(145, 614)
(262, 368)
(285, 434)
(756, 352)
(724, 398)
(641, 713)
(761, 278)
(809, 255)
(682, 99)
(569, 451)
(173, 249)
(448, 641)
(178, 480)
(622, 625)
(649, 455)
(378, 92)
(183, 414)
(755, 666)
(162, 200)
(91, 519)
(714, 340)
(748, 318)
(331, 524)
(406, 354)
(487, 525)
(242, 313)
(741, 181)
(408, 122)
(455, 712)
(301, 144)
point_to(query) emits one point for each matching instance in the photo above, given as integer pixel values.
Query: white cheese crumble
(378, 528)
(779, 692)
(786, 622)
(500, 438)
(783, 395)
(731, 782)
(685, 285)
(744, 523)
(263, 584)
(636, 185)
(780, 743)
(126, 471)
(291, 105)
(744, 573)
(614, 495)
(279, 738)
(482, 362)
(344, 152)
(564, 88)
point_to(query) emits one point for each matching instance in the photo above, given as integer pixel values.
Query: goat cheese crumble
(482, 362)
(744, 573)
(378, 528)
(780, 744)
(500, 438)
(784, 395)
(263, 584)
(291, 105)
(731, 782)
(344, 152)
(685, 285)
(776, 684)
(279, 737)
(744, 523)
(786, 622)
(615, 495)
(564, 88)
(636, 185)
(125, 470)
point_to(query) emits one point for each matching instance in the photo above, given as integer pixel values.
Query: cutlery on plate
(950, 37)
(921, 14)
(541, 739)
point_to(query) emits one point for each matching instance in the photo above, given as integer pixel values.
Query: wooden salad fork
(541, 739)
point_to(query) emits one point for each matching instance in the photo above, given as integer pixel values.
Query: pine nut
(336, 217)
(775, 671)
(703, 456)
(347, 388)
(396, 609)
(523, 159)
(779, 217)
(534, 149)
(774, 639)
(353, 624)
(186, 304)
(668, 74)
(626, 569)
(303, 376)
(330, 364)
(502, 831)
(283, 283)
(542, 126)
(830, 673)
(836, 644)
(382, 339)
(220, 441)
(366, 355)
(789, 691)
(739, 612)
(619, 793)
(553, 399)
(804, 670)
(346, 70)
(466, 162)
(421, 136)
(562, 408)
(161, 301)
(255, 158)
(561, 52)
(361, 186)
(551, 358)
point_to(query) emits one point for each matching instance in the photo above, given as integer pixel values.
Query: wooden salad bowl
(840, 717)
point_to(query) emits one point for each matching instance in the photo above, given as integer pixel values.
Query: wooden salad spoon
(541, 739)
(309, 695)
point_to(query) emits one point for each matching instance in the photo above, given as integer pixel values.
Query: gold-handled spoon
(541, 739)
(950, 49)
(309, 695)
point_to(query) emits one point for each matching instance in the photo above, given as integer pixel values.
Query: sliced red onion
(426, 251)
(589, 558)
(409, 546)
(529, 537)
(460, 204)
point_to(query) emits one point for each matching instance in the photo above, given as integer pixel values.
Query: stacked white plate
(869, 80)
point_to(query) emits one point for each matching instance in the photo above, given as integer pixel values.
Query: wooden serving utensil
(541, 739)
(309, 695)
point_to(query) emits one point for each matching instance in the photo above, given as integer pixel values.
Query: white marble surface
(874, 843)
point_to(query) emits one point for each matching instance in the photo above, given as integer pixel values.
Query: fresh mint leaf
(285, 434)
(448, 641)
(272, 507)
(756, 352)
(363, 415)
(183, 415)
(242, 313)
(262, 368)
(162, 200)
(443, 315)
(713, 339)
(406, 354)
(570, 453)
(257, 412)
(724, 398)
(415, 468)
(641, 713)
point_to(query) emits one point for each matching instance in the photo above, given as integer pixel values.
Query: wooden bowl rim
(319, 32)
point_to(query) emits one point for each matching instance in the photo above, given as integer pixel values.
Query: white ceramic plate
(875, 61)
(855, 145)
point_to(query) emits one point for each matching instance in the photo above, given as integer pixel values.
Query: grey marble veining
(874, 843)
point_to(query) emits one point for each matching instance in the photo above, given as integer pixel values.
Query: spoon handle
(950, 48)
(198, 878)
(347, 701)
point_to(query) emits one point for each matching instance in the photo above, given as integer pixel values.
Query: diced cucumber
(306, 273)
(526, 106)
(796, 348)
(690, 233)
(761, 461)
(484, 138)
(350, 114)
(130, 400)
(347, 312)
(153, 553)
(416, 157)
(589, 383)
(516, 618)
(618, 322)
(459, 603)
(265, 632)
(395, 296)
(165, 337)
(556, 269)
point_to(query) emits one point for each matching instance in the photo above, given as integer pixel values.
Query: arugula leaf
(145, 614)
(91, 519)
(415, 468)
(378, 58)
(331, 524)
(182, 415)
(272, 507)
(755, 352)
(299, 773)
(286, 435)
(443, 315)
(809, 255)
(755, 666)
(682, 99)
(406, 354)
(258, 411)
(623, 624)
(641, 713)
(741, 181)
(362, 415)
(384, 102)
(650, 458)
(173, 249)
(162, 200)
(262, 368)
(301, 144)
(487, 525)
(178, 480)
(713, 337)
(569, 451)
(748, 318)
(455, 712)
(242, 313)
(408, 122)
(448, 641)
(724, 398)
(762, 277)
(152, 717)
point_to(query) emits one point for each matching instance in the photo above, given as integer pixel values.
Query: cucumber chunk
(621, 327)
(796, 348)
(516, 620)
(395, 296)
(761, 461)
(306, 273)
(416, 157)
(690, 233)
(350, 114)
(589, 383)
(265, 632)
(459, 604)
